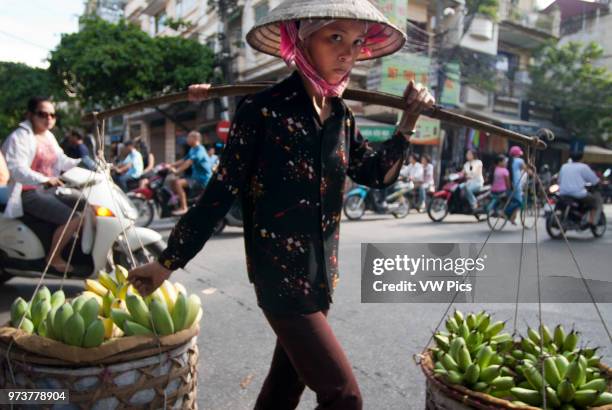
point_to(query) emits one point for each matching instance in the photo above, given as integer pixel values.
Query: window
(160, 22)
(261, 9)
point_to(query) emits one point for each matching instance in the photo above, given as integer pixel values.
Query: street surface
(236, 342)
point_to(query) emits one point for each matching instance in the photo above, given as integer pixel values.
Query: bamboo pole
(370, 97)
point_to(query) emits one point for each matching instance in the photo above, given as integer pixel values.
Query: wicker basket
(441, 395)
(144, 379)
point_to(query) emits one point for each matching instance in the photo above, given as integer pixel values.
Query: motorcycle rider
(35, 161)
(201, 170)
(428, 179)
(472, 169)
(130, 168)
(573, 178)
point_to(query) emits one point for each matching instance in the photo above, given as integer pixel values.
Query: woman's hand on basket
(148, 277)
(198, 92)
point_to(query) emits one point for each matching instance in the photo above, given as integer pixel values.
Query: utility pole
(224, 60)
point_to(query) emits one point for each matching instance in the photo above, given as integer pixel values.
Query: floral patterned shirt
(289, 171)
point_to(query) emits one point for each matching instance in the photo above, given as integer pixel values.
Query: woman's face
(333, 50)
(469, 156)
(43, 118)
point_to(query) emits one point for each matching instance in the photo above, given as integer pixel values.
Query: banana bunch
(568, 384)
(164, 312)
(76, 323)
(36, 312)
(471, 353)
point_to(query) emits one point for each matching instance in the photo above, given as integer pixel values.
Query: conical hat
(265, 35)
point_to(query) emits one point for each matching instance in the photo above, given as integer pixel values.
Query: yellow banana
(108, 327)
(95, 287)
(121, 274)
(193, 309)
(108, 282)
(180, 288)
(170, 294)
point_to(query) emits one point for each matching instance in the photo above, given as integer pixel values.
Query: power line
(24, 40)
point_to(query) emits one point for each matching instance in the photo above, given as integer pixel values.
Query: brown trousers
(307, 353)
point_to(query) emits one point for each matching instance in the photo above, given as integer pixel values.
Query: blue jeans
(469, 188)
(4, 194)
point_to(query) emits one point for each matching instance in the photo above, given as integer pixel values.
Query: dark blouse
(289, 170)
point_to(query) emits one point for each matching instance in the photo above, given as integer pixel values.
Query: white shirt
(573, 177)
(428, 175)
(473, 171)
(413, 172)
(19, 150)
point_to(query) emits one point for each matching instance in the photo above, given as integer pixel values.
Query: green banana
(456, 344)
(566, 391)
(449, 363)
(161, 318)
(43, 294)
(518, 354)
(528, 396)
(559, 336)
(74, 330)
(484, 356)
(62, 315)
(599, 384)
(194, 308)
(119, 317)
(502, 338)
(451, 325)
(139, 310)
(604, 399)
(551, 373)
(480, 386)
(134, 329)
(570, 342)
(533, 336)
(528, 346)
(575, 372)
(484, 323)
(472, 373)
(39, 311)
(94, 334)
(489, 373)
(534, 377)
(502, 383)
(562, 364)
(494, 329)
(27, 325)
(471, 321)
(179, 314)
(454, 377)
(584, 398)
(463, 358)
(552, 400)
(497, 359)
(89, 311)
(547, 337)
(501, 394)
(593, 361)
(49, 323)
(58, 298)
(464, 331)
(458, 316)
(19, 309)
(441, 342)
(78, 302)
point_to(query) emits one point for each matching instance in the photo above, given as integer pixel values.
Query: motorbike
(158, 198)
(451, 200)
(570, 215)
(106, 238)
(362, 198)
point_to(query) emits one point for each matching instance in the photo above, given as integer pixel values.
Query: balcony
(133, 8)
(527, 30)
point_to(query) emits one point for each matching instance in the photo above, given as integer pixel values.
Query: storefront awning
(597, 155)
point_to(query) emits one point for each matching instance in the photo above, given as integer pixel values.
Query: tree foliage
(566, 79)
(106, 64)
(19, 82)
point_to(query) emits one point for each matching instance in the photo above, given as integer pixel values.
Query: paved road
(236, 343)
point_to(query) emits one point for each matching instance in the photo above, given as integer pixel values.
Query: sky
(30, 29)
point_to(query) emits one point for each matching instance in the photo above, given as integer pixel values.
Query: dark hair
(128, 143)
(414, 155)
(34, 102)
(499, 159)
(76, 133)
(576, 155)
(426, 157)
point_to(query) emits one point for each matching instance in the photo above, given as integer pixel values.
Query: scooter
(570, 215)
(107, 234)
(450, 200)
(362, 198)
(158, 198)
